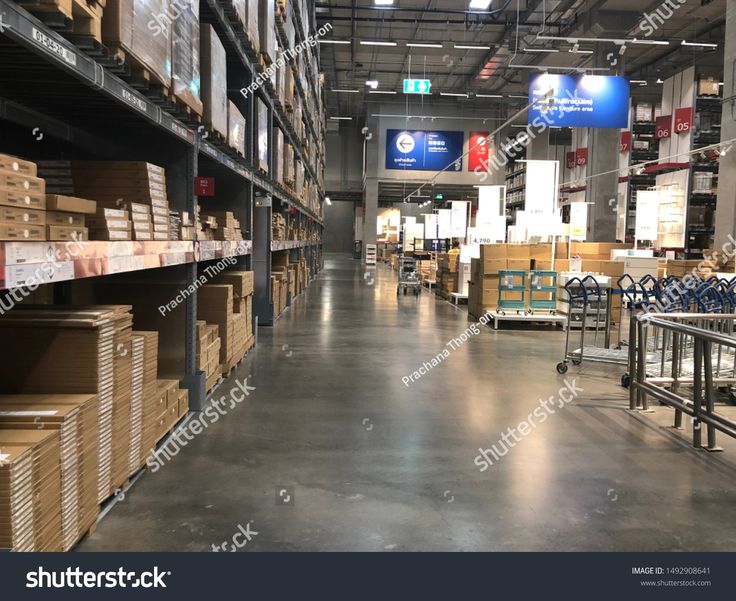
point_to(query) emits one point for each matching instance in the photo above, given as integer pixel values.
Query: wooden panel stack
(447, 274)
(208, 353)
(30, 490)
(75, 418)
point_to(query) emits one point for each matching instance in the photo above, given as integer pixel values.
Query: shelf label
(179, 129)
(204, 186)
(133, 100)
(663, 127)
(53, 46)
(683, 119)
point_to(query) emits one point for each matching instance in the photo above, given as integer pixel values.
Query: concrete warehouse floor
(371, 464)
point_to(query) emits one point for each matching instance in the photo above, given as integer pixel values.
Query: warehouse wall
(338, 233)
(344, 164)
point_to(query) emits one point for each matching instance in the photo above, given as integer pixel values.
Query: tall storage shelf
(65, 96)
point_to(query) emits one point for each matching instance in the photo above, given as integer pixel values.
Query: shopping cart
(408, 276)
(589, 307)
(511, 282)
(543, 283)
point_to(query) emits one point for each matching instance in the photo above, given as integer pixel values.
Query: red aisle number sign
(581, 157)
(663, 127)
(570, 160)
(625, 145)
(204, 186)
(683, 120)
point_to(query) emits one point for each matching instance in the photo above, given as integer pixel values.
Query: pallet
(182, 111)
(213, 136)
(77, 17)
(141, 77)
(265, 60)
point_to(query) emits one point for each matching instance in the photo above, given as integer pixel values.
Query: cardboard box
(214, 80)
(493, 251)
(66, 219)
(70, 204)
(519, 264)
(63, 233)
(235, 128)
(21, 182)
(493, 266)
(15, 197)
(20, 232)
(20, 216)
(12, 163)
(517, 251)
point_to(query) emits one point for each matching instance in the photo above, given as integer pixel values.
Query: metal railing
(696, 355)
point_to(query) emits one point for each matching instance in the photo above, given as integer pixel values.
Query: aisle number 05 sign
(683, 119)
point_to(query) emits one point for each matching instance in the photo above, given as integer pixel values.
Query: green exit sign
(417, 86)
(439, 196)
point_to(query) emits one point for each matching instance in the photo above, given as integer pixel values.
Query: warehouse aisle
(338, 449)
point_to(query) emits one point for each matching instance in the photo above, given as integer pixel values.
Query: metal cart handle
(596, 289)
(573, 296)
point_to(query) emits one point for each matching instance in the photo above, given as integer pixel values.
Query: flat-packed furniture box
(75, 417)
(242, 284)
(40, 361)
(267, 30)
(253, 30)
(125, 26)
(215, 306)
(214, 80)
(235, 128)
(184, 38)
(30, 490)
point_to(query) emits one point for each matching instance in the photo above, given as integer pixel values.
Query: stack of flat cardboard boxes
(215, 306)
(27, 212)
(278, 227)
(30, 490)
(447, 274)
(75, 418)
(135, 186)
(243, 338)
(208, 353)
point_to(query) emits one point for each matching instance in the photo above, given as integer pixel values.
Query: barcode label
(53, 46)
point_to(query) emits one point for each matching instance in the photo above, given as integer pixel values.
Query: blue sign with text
(424, 150)
(600, 101)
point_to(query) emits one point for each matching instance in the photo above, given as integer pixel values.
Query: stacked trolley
(408, 276)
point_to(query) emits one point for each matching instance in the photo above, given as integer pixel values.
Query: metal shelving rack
(85, 110)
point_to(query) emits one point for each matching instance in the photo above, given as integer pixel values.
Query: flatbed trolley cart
(588, 299)
(408, 276)
(511, 282)
(543, 283)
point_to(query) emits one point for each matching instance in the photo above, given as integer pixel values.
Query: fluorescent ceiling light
(456, 94)
(619, 41)
(641, 82)
(327, 200)
(381, 92)
(699, 44)
(517, 125)
(479, 4)
(423, 45)
(541, 50)
(346, 91)
(518, 96)
(376, 43)
(471, 47)
(489, 96)
(659, 80)
(372, 83)
(383, 2)
(321, 41)
(341, 118)
(580, 51)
